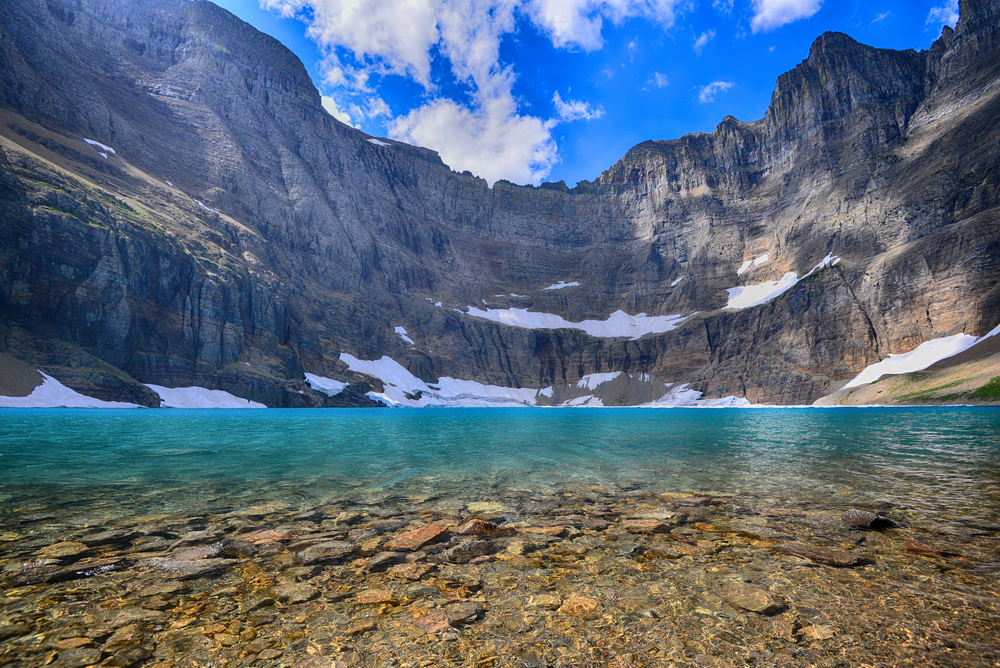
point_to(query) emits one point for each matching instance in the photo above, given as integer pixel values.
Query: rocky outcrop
(238, 236)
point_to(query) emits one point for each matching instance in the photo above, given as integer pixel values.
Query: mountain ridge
(286, 237)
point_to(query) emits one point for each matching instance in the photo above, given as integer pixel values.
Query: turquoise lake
(134, 462)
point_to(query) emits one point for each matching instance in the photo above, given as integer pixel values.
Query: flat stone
(645, 526)
(180, 569)
(822, 556)
(383, 560)
(323, 552)
(546, 601)
(694, 501)
(433, 622)
(544, 531)
(480, 527)
(416, 591)
(413, 571)
(932, 550)
(197, 552)
(375, 596)
(361, 627)
(129, 656)
(748, 597)
(296, 593)
(468, 549)
(270, 654)
(130, 616)
(578, 605)
(77, 658)
(866, 519)
(314, 662)
(14, 630)
(62, 551)
(265, 537)
(110, 537)
(86, 569)
(464, 612)
(417, 538)
(161, 589)
(818, 632)
(72, 643)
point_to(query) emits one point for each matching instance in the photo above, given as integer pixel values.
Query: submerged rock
(748, 597)
(820, 555)
(866, 519)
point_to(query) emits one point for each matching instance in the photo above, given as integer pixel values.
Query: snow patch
(103, 147)
(379, 142)
(546, 392)
(918, 359)
(591, 381)
(562, 284)
(205, 207)
(402, 334)
(53, 394)
(682, 396)
(754, 295)
(169, 184)
(743, 267)
(103, 154)
(327, 386)
(199, 397)
(518, 296)
(676, 281)
(618, 324)
(398, 382)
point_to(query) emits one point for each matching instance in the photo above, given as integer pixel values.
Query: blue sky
(549, 90)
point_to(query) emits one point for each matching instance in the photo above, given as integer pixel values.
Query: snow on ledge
(591, 381)
(327, 386)
(562, 284)
(682, 396)
(754, 295)
(402, 388)
(402, 334)
(756, 262)
(103, 147)
(199, 397)
(53, 394)
(676, 281)
(379, 142)
(618, 324)
(918, 359)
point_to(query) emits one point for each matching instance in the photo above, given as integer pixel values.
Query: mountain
(179, 210)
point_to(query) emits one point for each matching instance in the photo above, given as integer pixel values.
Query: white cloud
(492, 141)
(656, 80)
(707, 93)
(331, 108)
(578, 23)
(633, 47)
(365, 40)
(946, 14)
(703, 39)
(575, 110)
(771, 14)
(723, 6)
(881, 17)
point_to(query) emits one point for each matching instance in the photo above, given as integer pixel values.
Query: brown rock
(413, 571)
(546, 601)
(62, 551)
(369, 596)
(77, 658)
(866, 519)
(129, 656)
(578, 605)
(323, 552)
(72, 643)
(544, 531)
(462, 613)
(417, 538)
(818, 632)
(433, 622)
(748, 597)
(361, 627)
(296, 593)
(821, 556)
(923, 548)
(478, 527)
(644, 526)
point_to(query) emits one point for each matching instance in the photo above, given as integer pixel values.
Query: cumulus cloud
(578, 23)
(946, 14)
(703, 39)
(331, 108)
(575, 110)
(493, 141)
(486, 132)
(771, 14)
(707, 93)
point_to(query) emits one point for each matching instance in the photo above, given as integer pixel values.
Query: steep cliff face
(178, 209)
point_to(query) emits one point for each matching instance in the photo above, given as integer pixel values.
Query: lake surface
(945, 459)
(500, 537)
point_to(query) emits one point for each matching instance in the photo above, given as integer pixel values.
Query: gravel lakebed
(569, 576)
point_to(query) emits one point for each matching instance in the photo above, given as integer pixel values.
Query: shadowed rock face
(239, 236)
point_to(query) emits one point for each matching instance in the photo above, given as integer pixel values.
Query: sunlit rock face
(179, 210)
